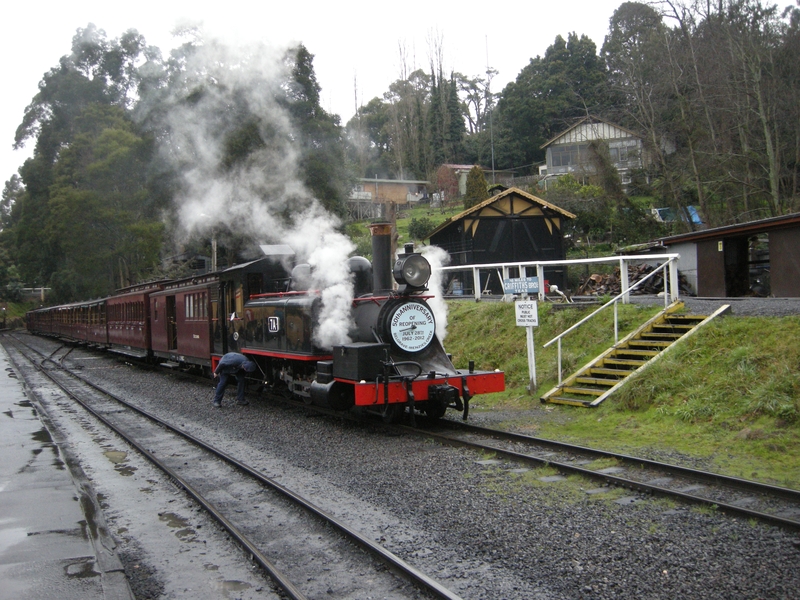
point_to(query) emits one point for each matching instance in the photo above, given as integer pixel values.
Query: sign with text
(521, 285)
(527, 312)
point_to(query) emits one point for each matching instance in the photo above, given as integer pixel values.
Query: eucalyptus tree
(99, 76)
(569, 81)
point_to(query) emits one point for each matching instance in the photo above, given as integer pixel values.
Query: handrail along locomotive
(394, 361)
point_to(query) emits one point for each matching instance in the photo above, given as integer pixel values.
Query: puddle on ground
(185, 533)
(173, 520)
(125, 470)
(229, 586)
(82, 569)
(42, 436)
(115, 456)
(118, 458)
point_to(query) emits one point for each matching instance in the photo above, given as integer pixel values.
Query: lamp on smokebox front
(411, 270)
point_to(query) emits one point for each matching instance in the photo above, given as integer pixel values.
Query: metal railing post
(674, 285)
(540, 275)
(616, 322)
(623, 279)
(559, 361)
(476, 283)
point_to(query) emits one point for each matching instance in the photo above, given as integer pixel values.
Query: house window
(568, 155)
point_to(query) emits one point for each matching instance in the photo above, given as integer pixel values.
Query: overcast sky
(355, 43)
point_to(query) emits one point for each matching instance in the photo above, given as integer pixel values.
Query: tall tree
(98, 73)
(477, 188)
(321, 137)
(551, 91)
(99, 194)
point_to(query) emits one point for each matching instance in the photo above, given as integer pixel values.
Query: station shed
(760, 258)
(513, 226)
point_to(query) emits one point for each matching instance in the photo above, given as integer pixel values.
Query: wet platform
(49, 548)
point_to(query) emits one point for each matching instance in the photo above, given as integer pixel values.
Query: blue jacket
(233, 362)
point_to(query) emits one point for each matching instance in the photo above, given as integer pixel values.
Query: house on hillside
(569, 151)
(462, 171)
(369, 198)
(512, 226)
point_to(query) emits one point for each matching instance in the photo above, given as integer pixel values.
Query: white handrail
(613, 301)
(540, 266)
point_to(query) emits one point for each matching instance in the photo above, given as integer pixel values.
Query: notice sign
(527, 313)
(521, 285)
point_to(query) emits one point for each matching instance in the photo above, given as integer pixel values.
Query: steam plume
(438, 258)
(220, 90)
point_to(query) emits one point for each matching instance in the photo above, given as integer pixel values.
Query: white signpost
(527, 312)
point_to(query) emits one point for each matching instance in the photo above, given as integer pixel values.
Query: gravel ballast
(482, 529)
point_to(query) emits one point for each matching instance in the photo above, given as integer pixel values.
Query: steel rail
(277, 576)
(718, 478)
(613, 479)
(391, 560)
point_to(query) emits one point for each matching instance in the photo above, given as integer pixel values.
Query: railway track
(751, 499)
(310, 557)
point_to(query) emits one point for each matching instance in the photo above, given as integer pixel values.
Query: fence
(502, 271)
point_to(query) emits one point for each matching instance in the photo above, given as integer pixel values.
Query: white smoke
(438, 258)
(218, 85)
(326, 251)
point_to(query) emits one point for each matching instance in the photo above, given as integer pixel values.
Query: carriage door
(172, 325)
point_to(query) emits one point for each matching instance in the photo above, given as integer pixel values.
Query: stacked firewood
(609, 283)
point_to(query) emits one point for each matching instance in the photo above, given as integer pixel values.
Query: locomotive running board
(601, 377)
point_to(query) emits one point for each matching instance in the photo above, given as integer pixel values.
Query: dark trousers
(224, 379)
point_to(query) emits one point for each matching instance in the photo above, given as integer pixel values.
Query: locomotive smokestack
(381, 256)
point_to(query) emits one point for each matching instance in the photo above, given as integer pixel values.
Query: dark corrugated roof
(739, 228)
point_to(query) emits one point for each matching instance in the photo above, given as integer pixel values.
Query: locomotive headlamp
(412, 270)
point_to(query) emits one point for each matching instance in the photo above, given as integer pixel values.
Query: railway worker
(232, 364)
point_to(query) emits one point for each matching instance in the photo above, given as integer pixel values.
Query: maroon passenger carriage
(180, 315)
(79, 321)
(128, 318)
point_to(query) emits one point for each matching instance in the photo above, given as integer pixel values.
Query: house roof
(475, 210)
(733, 230)
(587, 120)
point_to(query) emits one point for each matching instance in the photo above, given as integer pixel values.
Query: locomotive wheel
(434, 410)
(391, 413)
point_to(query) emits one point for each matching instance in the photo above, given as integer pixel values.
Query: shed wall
(784, 256)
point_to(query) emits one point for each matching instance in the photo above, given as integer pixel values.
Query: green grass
(435, 215)
(728, 397)
(358, 232)
(15, 311)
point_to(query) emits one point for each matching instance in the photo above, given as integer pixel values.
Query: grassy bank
(14, 313)
(729, 396)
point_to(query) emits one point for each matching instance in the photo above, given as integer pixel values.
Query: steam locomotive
(394, 362)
